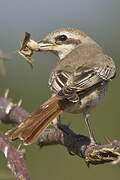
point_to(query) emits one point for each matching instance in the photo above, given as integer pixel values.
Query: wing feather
(69, 85)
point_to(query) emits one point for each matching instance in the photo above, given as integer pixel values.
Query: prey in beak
(28, 46)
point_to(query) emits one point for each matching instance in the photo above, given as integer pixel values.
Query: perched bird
(78, 81)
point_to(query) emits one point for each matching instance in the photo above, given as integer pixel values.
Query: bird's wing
(106, 71)
(85, 77)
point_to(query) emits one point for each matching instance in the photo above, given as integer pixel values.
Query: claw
(70, 152)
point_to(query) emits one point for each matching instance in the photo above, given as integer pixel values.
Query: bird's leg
(90, 131)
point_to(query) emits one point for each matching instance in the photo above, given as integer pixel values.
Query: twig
(80, 145)
(15, 158)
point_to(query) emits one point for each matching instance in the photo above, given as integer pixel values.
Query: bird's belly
(87, 102)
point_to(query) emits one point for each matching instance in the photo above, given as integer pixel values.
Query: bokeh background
(101, 20)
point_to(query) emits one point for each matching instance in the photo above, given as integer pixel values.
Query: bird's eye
(61, 38)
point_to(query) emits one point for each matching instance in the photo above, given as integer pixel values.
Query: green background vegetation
(101, 20)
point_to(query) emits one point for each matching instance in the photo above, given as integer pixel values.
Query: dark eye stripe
(72, 41)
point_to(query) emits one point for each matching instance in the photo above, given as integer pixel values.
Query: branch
(76, 144)
(15, 159)
(80, 145)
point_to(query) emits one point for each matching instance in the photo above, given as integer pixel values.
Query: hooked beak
(45, 45)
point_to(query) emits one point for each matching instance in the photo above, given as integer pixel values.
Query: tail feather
(30, 129)
(36, 133)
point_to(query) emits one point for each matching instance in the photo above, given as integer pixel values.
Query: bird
(78, 82)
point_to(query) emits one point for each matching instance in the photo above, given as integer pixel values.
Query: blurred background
(99, 19)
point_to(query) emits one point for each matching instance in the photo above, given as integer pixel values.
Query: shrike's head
(63, 41)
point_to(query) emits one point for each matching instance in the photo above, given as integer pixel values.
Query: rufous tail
(30, 129)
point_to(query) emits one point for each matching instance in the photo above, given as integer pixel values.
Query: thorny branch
(14, 157)
(63, 135)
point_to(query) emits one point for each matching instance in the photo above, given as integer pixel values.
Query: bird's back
(84, 55)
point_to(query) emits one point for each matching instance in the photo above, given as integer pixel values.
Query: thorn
(19, 103)
(8, 108)
(19, 147)
(6, 151)
(20, 150)
(6, 93)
